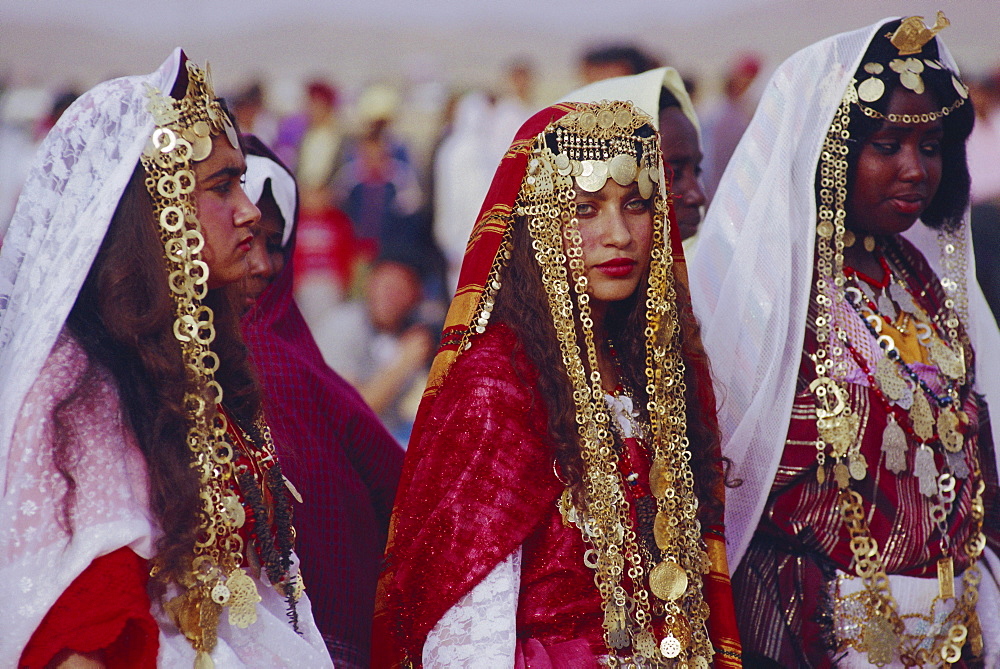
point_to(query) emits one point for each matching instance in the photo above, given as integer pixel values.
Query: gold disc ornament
(668, 581)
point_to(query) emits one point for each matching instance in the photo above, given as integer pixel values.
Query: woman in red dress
(561, 498)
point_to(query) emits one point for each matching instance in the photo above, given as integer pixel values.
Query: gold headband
(595, 145)
(910, 38)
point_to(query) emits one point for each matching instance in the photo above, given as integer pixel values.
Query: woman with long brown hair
(145, 520)
(561, 498)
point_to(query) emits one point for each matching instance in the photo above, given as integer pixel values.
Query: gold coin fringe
(183, 135)
(604, 132)
(885, 638)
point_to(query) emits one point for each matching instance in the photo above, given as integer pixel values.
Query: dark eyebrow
(228, 172)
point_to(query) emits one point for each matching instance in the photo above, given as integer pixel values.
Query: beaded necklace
(266, 491)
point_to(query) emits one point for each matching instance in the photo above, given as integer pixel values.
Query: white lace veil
(642, 90)
(72, 190)
(751, 272)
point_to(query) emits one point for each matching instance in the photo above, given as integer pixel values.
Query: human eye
(585, 210)
(886, 147)
(637, 205)
(223, 187)
(931, 147)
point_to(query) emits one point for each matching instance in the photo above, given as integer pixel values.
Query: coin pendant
(871, 89)
(858, 466)
(622, 169)
(658, 478)
(668, 581)
(663, 533)
(220, 594)
(670, 646)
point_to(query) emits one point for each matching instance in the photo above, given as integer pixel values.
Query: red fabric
(484, 244)
(466, 507)
(106, 610)
(464, 510)
(531, 654)
(334, 449)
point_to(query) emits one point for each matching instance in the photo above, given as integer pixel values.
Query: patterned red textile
(106, 609)
(467, 507)
(336, 452)
(801, 538)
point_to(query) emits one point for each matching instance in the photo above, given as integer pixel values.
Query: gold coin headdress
(215, 580)
(909, 40)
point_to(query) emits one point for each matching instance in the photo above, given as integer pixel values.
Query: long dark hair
(123, 318)
(523, 306)
(945, 210)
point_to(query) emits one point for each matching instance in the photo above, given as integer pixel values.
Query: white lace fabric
(480, 630)
(67, 202)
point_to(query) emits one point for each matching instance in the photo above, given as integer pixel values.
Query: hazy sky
(353, 42)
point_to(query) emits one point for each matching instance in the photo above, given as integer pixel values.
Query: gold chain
(884, 637)
(604, 133)
(183, 135)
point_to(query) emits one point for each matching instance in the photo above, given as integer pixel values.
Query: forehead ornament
(592, 146)
(910, 38)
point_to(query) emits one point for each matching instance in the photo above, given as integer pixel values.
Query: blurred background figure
(984, 169)
(614, 60)
(382, 344)
(309, 140)
(320, 146)
(723, 123)
(378, 186)
(472, 146)
(331, 445)
(249, 106)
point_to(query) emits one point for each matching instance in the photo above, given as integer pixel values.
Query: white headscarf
(260, 170)
(642, 90)
(71, 193)
(751, 272)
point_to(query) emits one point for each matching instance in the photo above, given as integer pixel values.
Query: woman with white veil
(140, 495)
(853, 356)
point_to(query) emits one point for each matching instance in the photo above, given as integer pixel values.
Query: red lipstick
(617, 267)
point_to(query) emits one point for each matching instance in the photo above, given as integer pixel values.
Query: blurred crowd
(391, 182)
